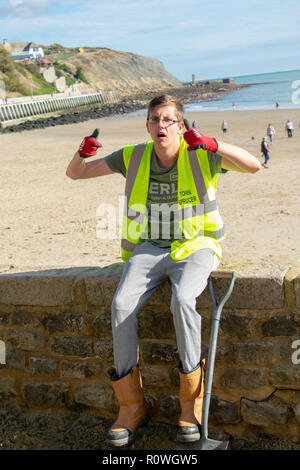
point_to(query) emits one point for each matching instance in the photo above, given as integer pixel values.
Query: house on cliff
(31, 52)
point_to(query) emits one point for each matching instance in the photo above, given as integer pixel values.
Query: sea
(265, 91)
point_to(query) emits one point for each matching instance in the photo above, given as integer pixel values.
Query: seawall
(60, 110)
(15, 111)
(56, 339)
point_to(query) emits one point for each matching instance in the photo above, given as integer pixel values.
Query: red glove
(194, 138)
(89, 145)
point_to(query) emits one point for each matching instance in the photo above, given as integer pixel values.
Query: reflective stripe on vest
(133, 167)
(133, 219)
(201, 219)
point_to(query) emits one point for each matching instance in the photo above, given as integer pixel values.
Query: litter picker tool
(205, 443)
(188, 127)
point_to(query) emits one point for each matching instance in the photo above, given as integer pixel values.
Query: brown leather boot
(133, 411)
(191, 403)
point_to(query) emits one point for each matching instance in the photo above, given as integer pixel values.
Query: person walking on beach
(289, 128)
(265, 150)
(224, 127)
(270, 132)
(179, 241)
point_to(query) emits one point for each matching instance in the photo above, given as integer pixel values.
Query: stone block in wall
(282, 325)
(235, 324)
(257, 352)
(297, 289)
(265, 413)
(81, 370)
(7, 389)
(25, 318)
(45, 393)
(285, 376)
(292, 286)
(297, 412)
(42, 366)
(162, 296)
(72, 346)
(244, 378)
(43, 288)
(156, 325)
(15, 360)
(169, 406)
(158, 353)
(257, 286)
(221, 352)
(93, 395)
(101, 284)
(61, 322)
(104, 350)
(174, 375)
(287, 352)
(4, 317)
(101, 325)
(153, 377)
(25, 340)
(292, 399)
(222, 411)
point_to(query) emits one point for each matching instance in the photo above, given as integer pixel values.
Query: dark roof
(29, 45)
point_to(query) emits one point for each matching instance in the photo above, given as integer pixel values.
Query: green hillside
(91, 68)
(21, 77)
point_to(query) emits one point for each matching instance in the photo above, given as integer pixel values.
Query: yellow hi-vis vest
(200, 224)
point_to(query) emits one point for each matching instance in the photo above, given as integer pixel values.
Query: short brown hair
(167, 100)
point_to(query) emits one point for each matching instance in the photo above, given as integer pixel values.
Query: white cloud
(25, 8)
(201, 35)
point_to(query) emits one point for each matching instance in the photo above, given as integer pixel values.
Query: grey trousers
(145, 270)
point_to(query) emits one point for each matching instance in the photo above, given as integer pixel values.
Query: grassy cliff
(90, 68)
(21, 78)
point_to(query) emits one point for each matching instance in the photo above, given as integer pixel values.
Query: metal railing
(32, 107)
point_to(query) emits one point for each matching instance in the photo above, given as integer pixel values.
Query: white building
(30, 52)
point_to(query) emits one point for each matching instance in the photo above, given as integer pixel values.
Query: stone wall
(55, 328)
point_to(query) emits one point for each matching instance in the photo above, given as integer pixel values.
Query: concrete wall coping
(257, 286)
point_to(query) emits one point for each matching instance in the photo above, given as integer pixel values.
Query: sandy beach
(49, 221)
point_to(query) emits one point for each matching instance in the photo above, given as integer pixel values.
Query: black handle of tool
(188, 127)
(95, 134)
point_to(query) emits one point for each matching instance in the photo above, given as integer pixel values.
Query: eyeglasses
(167, 122)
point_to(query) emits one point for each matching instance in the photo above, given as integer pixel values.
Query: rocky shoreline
(187, 94)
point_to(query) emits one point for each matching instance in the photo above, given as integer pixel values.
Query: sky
(208, 38)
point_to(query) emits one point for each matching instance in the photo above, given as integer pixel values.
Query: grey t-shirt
(162, 195)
